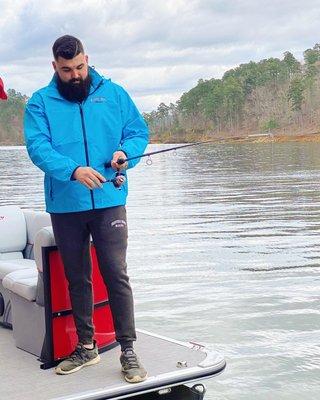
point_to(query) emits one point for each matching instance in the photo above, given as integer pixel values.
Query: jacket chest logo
(99, 99)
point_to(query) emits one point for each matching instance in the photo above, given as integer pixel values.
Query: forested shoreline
(276, 97)
(11, 117)
(273, 96)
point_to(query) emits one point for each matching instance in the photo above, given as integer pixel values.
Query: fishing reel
(118, 180)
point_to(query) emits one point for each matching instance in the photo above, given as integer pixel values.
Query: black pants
(108, 228)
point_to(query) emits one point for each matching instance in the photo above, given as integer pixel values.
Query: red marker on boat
(3, 95)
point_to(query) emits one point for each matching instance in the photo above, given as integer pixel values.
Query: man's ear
(87, 58)
(54, 65)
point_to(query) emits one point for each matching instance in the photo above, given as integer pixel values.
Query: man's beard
(75, 90)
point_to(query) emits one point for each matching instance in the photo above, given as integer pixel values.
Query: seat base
(28, 320)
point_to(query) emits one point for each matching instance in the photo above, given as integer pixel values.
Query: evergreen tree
(292, 65)
(295, 94)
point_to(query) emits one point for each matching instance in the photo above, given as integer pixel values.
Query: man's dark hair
(67, 47)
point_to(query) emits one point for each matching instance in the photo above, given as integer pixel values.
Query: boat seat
(28, 283)
(35, 221)
(23, 283)
(44, 238)
(26, 295)
(13, 233)
(18, 229)
(25, 288)
(9, 266)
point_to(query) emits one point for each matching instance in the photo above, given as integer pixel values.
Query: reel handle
(118, 180)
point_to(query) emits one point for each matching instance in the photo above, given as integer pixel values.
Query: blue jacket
(61, 135)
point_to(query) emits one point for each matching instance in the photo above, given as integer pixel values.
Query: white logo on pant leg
(118, 223)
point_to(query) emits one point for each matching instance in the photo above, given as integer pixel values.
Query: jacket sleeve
(38, 142)
(135, 134)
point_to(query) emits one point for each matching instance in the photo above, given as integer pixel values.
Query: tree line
(11, 116)
(270, 96)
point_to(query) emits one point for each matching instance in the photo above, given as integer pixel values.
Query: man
(72, 128)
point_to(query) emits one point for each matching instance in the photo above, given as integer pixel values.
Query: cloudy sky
(156, 49)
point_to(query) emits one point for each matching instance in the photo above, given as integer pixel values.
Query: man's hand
(89, 177)
(116, 156)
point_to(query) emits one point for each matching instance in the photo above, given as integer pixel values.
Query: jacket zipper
(51, 189)
(86, 148)
(85, 137)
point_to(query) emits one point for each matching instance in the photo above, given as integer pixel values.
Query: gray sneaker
(81, 357)
(132, 368)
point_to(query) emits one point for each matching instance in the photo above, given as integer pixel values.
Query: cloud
(157, 50)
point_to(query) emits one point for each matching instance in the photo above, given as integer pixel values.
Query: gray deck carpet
(22, 379)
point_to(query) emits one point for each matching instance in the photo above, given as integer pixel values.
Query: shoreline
(259, 138)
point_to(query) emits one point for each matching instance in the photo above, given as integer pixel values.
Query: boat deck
(167, 361)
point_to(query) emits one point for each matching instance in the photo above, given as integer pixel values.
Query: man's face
(72, 71)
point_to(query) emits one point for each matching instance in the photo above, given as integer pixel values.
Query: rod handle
(120, 161)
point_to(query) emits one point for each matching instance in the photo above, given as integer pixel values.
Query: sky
(155, 49)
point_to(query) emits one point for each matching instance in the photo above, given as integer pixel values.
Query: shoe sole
(135, 379)
(60, 371)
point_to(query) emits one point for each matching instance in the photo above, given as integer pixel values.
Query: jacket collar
(96, 80)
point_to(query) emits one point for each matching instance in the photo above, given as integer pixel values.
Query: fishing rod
(120, 179)
(121, 161)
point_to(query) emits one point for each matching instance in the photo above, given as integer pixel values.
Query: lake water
(224, 249)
